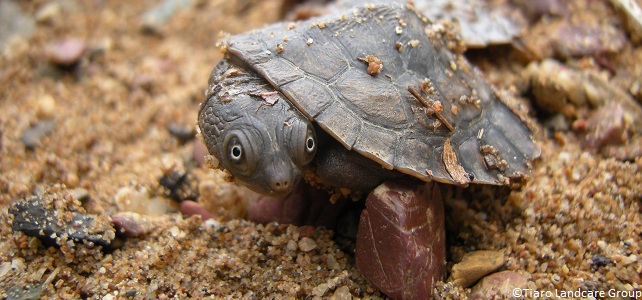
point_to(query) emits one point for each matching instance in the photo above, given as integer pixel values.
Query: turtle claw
(401, 240)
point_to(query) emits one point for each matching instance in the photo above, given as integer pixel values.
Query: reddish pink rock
(131, 224)
(66, 52)
(191, 208)
(401, 240)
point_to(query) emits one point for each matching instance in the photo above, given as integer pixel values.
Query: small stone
(633, 12)
(137, 199)
(32, 136)
(342, 293)
(13, 23)
(320, 290)
(476, 265)
(80, 194)
(291, 246)
(48, 12)
(67, 52)
(582, 39)
(40, 218)
(557, 123)
(498, 285)
(181, 132)
(191, 208)
(131, 224)
(606, 126)
(307, 244)
(306, 231)
(108, 297)
(179, 185)
(46, 107)
(332, 262)
(154, 18)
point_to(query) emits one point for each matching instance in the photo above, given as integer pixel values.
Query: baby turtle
(354, 99)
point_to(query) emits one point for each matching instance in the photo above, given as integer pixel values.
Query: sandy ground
(112, 128)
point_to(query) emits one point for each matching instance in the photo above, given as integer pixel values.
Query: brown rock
(476, 265)
(573, 40)
(66, 52)
(307, 244)
(131, 224)
(401, 240)
(606, 126)
(500, 284)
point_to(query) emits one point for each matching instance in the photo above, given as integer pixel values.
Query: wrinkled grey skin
(264, 146)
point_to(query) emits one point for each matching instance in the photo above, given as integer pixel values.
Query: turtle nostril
(280, 185)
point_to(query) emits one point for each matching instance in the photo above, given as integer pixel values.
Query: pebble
(66, 52)
(535, 9)
(320, 290)
(561, 89)
(332, 262)
(13, 23)
(33, 135)
(606, 126)
(39, 218)
(181, 132)
(583, 39)
(48, 12)
(154, 18)
(191, 208)
(80, 194)
(307, 244)
(342, 293)
(179, 185)
(131, 224)
(46, 107)
(291, 246)
(138, 200)
(396, 216)
(498, 285)
(475, 265)
(633, 14)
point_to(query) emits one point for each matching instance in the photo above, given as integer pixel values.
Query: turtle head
(266, 146)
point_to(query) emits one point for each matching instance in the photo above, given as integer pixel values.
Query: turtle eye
(236, 152)
(310, 144)
(302, 142)
(239, 152)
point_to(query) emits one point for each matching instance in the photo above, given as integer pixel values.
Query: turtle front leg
(401, 243)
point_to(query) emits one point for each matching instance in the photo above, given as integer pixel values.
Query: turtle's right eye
(240, 153)
(302, 142)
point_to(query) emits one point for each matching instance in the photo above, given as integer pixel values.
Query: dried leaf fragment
(453, 167)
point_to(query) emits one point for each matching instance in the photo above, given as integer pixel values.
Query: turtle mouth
(279, 194)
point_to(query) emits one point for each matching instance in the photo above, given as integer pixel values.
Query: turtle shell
(382, 81)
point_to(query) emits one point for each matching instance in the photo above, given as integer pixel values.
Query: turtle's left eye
(302, 142)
